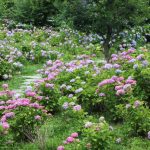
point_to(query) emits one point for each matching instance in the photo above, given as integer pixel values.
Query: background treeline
(78, 13)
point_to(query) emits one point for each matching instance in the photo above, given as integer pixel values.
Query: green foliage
(136, 118)
(5, 69)
(37, 12)
(24, 126)
(143, 84)
(6, 7)
(51, 97)
(98, 136)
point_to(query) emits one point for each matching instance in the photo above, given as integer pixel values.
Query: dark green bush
(34, 11)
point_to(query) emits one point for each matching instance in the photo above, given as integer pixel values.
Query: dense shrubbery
(75, 83)
(19, 47)
(37, 12)
(22, 125)
(80, 87)
(38, 45)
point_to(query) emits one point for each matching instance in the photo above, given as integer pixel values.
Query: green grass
(56, 129)
(52, 134)
(16, 80)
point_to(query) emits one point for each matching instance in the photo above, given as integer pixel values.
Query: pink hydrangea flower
(2, 107)
(120, 92)
(60, 147)
(114, 59)
(127, 87)
(117, 66)
(137, 103)
(102, 94)
(3, 119)
(118, 87)
(120, 78)
(48, 85)
(10, 114)
(148, 135)
(30, 94)
(140, 57)
(114, 55)
(2, 102)
(10, 93)
(74, 135)
(70, 139)
(39, 98)
(65, 142)
(107, 81)
(130, 81)
(37, 117)
(130, 51)
(49, 62)
(5, 125)
(5, 86)
(77, 107)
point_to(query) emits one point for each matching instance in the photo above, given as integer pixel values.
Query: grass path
(17, 80)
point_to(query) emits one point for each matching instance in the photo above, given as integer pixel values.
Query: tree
(107, 17)
(36, 12)
(6, 8)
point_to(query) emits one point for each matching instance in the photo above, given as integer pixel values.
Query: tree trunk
(106, 43)
(107, 50)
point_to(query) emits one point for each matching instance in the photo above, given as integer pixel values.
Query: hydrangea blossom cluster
(70, 139)
(121, 85)
(127, 57)
(9, 106)
(71, 105)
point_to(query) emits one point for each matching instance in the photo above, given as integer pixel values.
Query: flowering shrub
(111, 83)
(20, 116)
(72, 110)
(73, 138)
(136, 118)
(7, 69)
(50, 96)
(142, 77)
(98, 135)
(20, 46)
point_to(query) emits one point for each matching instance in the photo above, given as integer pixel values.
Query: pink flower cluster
(77, 64)
(72, 138)
(123, 56)
(113, 79)
(37, 117)
(74, 107)
(30, 94)
(51, 70)
(6, 91)
(124, 87)
(77, 108)
(12, 104)
(4, 118)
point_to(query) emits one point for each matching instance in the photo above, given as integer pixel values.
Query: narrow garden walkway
(27, 82)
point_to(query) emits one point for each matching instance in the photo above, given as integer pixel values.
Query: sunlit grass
(17, 80)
